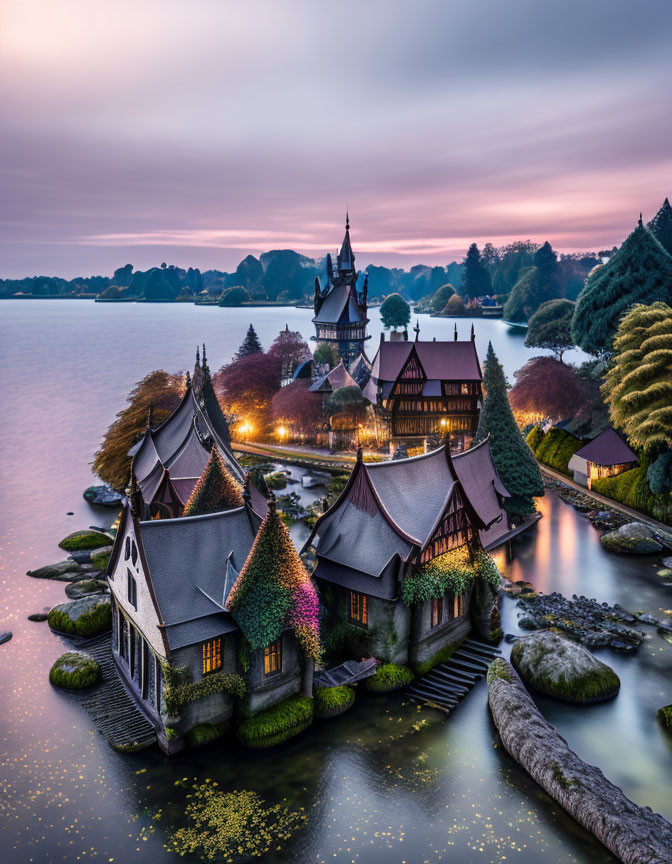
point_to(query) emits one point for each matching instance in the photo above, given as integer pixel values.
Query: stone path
(114, 712)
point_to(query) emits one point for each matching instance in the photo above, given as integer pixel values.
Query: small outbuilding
(604, 456)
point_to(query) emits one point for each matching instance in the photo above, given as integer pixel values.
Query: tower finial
(360, 453)
(417, 329)
(133, 496)
(188, 379)
(271, 502)
(455, 337)
(205, 362)
(640, 218)
(198, 357)
(347, 218)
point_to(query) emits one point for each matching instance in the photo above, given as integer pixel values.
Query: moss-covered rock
(388, 677)
(441, 656)
(332, 701)
(74, 671)
(635, 538)
(61, 571)
(204, 733)
(555, 666)
(85, 588)
(87, 617)
(277, 724)
(88, 539)
(276, 480)
(100, 560)
(665, 717)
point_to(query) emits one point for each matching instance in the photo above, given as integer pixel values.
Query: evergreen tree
(551, 327)
(274, 591)
(475, 277)
(216, 490)
(251, 344)
(511, 454)
(661, 226)
(395, 312)
(639, 272)
(536, 285)
(638, 387)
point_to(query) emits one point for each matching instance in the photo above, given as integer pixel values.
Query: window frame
(212, 658)
(358, 608)
(132, 589)
(436, 613)
(273, 658)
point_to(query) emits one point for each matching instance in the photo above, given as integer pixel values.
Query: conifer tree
(216, 490)
(251, 344)
(638, 387)
(536, 285)
(661, 226)
(511, 454)
(639, 272)
(274, 591)
(475, 277)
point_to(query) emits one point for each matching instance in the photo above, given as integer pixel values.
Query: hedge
(331, 701)
(534, 438)
(389, 677)
(632, 489)
(204, 733)
(277, 724)
(74, 670)
(556, 449)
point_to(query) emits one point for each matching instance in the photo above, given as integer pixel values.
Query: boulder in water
(62, 571)
(86, 539)
(74, 670)
(87, 617)
(85, 588)
(557, 667)
(5, 636)
(103, 496)
(38, 616)
(634, 538)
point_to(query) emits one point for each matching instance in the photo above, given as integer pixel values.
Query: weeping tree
(551, 327)
(638, 386)
(511, 454)
(639, 272)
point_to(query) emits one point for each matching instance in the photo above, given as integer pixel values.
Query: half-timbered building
(424, 389)
(340, 307)
(396, 527)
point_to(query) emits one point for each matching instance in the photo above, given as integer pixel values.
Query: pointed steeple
(198, 358)
(473, 333)
(640, 223)
(215, 491)
(455, 336)
(346, 258)
(417, 329)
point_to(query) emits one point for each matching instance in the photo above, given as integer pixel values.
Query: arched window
(134, 552)
(127, 549)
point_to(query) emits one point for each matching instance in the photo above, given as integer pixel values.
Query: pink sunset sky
(198, 132)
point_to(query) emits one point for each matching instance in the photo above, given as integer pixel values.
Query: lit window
(212, 655)
(437, 611)
(457, 605)
(132, 587)
(359, 612)
(272, 658)
(465, 389)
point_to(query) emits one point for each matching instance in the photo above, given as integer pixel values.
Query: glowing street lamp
(282, 432)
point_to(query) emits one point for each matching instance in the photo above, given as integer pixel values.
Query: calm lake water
(386, 782)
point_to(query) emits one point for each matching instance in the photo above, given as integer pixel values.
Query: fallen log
(635, 835)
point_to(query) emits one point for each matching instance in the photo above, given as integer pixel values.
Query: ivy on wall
(178, 691)
(452, 572)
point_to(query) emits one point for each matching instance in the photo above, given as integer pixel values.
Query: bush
(659, 474)
(665, 716)
(87, 617)
(389, 677)
(235, 296)
(454, 306)
(441, 656)
(534, 438)
(632, 489)
(277, 724)
(277, 480)
(179, 691)
(557, 448)
(204, 733)
(331, 701)
(79, 540)
(74, 670)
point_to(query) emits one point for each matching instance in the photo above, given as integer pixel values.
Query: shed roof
(444, 361)
(607, 449)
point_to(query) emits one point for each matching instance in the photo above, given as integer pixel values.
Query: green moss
(330, 701)
(79, 540)
(171, 733)
(277, 480)
(556, 449)
(595, 686)
(452, 572)
(500, 668)
(204, 733)
(665, 716)
(95, 619)
(100, 560)
(563, 780)
(441, 656)
(74, 670)
(277, 724)
(389, 676)
(632, 489)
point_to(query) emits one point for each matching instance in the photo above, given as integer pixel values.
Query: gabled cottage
(400, 554)
(422, 390)
(168, 460)
(607, 455)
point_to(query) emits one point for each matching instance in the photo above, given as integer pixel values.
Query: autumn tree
(158, 391)
(638, 386)
(548, 387)
(513, 458)
(290, 349)
(395, 312)
(551, 327)
(295, 407)
(251, 344)
(246, 386)
(639, 272)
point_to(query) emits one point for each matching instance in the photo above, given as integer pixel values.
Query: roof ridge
(182, 519)
(406, 460)
(472, 448)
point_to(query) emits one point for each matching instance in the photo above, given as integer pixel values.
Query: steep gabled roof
(215, 490)
(333, 380)
(444, 361)
(340, 306)
(481, 482)
(607, 449)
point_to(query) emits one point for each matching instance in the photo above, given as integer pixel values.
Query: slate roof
(382, 586)
(339, 307)
(191, 562)
(607, 449)
(444, 361)
(333, 380)
(479, 478)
